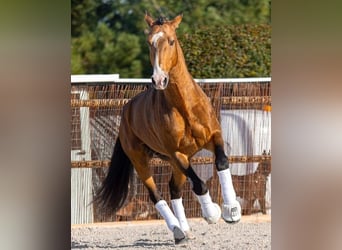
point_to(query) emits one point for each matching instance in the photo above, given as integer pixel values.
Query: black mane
(160, 21)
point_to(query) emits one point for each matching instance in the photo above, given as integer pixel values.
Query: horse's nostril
(153, 81)
(165, 80)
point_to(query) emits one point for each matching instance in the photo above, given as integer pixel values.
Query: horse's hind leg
(231, 207)
(140, 159)
(176, 184)
(211, 211)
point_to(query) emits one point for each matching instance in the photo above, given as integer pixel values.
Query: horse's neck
(182, 89)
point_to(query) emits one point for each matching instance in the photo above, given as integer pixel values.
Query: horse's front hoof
(215, 217)
(231, 213)
(179, 236)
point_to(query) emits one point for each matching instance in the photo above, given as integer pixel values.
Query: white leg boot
(178, 209)
(231, 207)
(171, 221)
(210, 210)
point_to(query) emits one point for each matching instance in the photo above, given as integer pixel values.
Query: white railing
(116, 78)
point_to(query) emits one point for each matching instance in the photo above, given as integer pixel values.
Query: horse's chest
(188, 134)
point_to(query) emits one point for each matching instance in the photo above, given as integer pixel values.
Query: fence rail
(119, 103)
(115, 78)
(242, 106)
(160, 162)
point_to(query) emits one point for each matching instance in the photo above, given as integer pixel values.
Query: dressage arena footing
(252, 232)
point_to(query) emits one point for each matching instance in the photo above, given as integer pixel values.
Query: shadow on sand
(141, 243)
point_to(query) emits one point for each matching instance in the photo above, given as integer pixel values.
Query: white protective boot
(231, 213)
(178, 209)
(210, 210)
(231, 207)
(171, 221)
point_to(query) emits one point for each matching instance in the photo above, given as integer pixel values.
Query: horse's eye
(171, 42)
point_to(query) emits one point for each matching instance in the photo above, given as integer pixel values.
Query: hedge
(228, 51)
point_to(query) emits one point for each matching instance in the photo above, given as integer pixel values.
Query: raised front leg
(231, 207)
(211, 211)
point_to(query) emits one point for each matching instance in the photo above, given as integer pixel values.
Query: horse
(172, 119)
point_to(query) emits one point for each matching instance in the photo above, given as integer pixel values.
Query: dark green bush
(228, 51)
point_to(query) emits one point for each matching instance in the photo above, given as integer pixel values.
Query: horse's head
(162, 41)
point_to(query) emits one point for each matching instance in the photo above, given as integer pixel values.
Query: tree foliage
(102, 51)
(228, 51)
(108, 36)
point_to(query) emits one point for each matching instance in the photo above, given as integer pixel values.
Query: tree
(102, 52)
(108, 36)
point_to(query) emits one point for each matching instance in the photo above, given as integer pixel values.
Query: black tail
(115, 187)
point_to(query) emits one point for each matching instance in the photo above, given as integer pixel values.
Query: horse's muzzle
(160, 82)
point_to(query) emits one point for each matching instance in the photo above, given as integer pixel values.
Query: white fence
(247, 131)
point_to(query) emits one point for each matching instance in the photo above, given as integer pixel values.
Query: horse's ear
(176, 21)
(149, 20)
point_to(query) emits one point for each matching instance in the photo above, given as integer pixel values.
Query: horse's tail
(114, 190)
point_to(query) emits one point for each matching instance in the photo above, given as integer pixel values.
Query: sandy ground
(252, 232)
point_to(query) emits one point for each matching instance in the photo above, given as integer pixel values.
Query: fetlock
(213, 215)
(210, 210)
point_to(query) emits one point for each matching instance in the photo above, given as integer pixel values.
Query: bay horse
(173, 119)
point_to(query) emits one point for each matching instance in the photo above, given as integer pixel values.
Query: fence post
(81, 179)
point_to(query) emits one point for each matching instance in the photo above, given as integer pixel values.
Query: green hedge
(228, 51)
